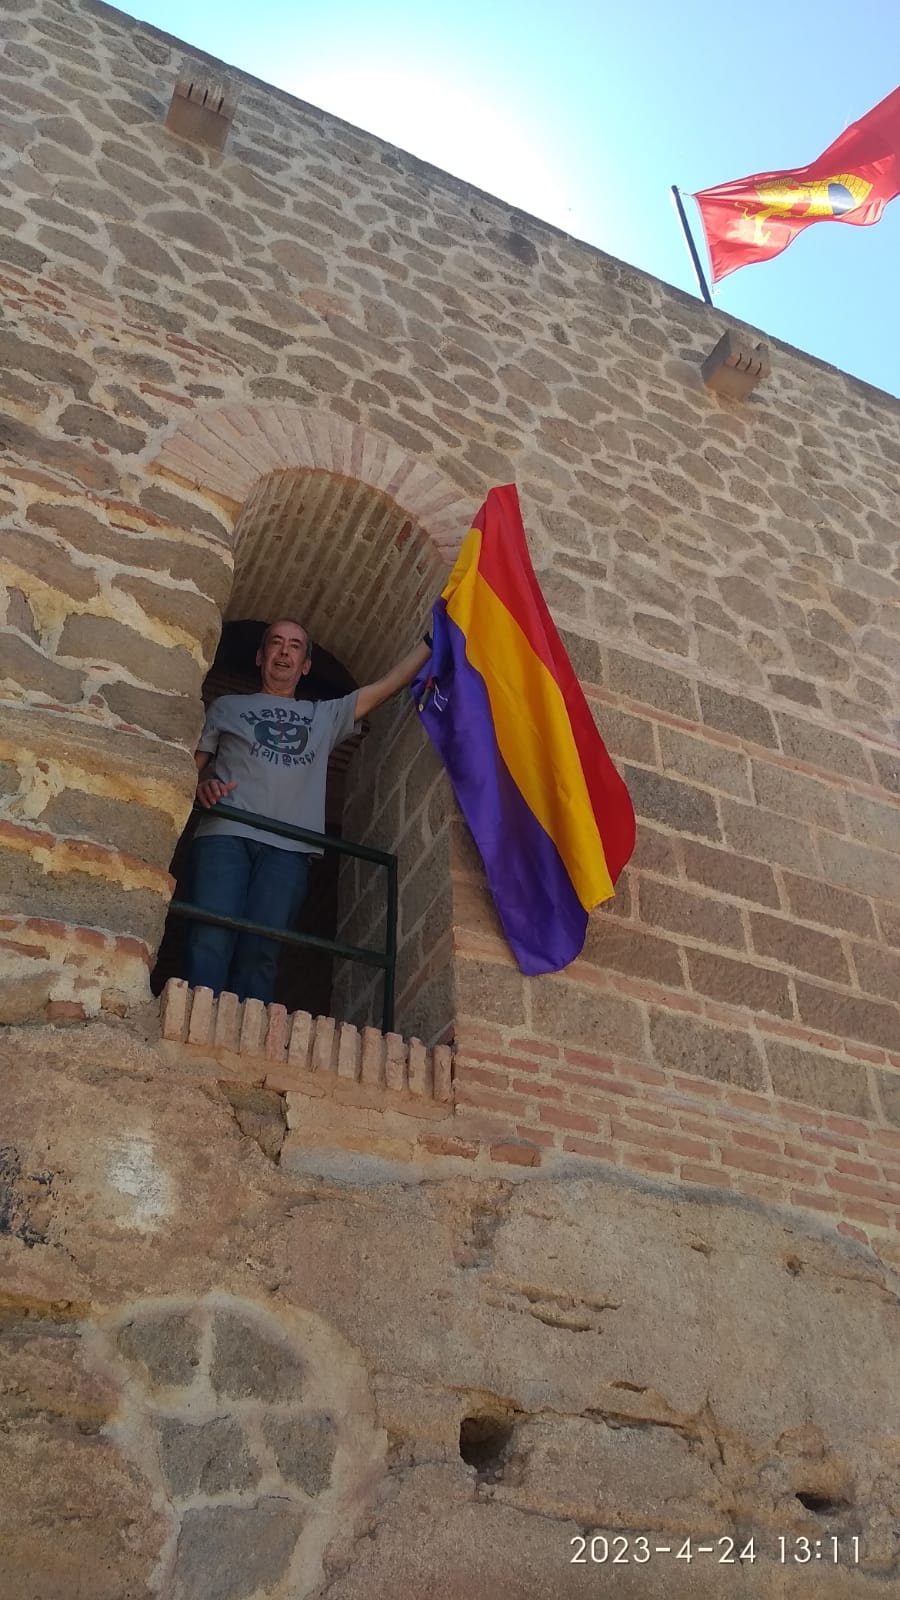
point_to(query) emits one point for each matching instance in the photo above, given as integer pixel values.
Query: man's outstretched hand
(209, 790)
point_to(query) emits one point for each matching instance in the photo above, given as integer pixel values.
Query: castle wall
(181, 326)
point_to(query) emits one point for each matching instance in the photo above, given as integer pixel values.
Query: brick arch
(226, 451)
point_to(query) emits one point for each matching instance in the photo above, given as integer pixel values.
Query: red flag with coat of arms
(753, 219)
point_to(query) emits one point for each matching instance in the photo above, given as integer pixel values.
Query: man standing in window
(266, 753)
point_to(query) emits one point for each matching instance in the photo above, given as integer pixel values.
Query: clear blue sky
(585, 111)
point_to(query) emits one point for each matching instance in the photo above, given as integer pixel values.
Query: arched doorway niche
(339, 529)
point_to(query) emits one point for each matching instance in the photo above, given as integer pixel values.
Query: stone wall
(225, 1374)
(284, 376)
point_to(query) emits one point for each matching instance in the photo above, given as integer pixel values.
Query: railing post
(390, 947)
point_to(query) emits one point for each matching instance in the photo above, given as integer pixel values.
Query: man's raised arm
(372, 695)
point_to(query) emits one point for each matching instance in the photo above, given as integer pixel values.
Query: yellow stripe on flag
(531, 724)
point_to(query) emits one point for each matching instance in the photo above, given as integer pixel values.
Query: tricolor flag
(753, 219)
(500, 702)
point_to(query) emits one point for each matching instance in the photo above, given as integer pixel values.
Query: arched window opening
(348, 563)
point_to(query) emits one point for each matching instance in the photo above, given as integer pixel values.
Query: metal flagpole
(689, 240)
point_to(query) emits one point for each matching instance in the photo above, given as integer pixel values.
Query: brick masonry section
(268, 379)
(293, 1053)
(805, 1124)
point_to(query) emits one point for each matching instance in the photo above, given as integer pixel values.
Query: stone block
(248, 1363)
(848, 1016)
(652, 685)
(861, 868)
(205, 1458)
(141, 830)
(823, 748)
(575, 1014)
(697, 916)
(678, 805)
(794, 945)
(751, 831)
(178, 717)
(192, 613)
(304, 1448)
(165, 1345)
(729, 873)
(877, 970)
(815, 901)
(736, 714)
(739, 983)
(706, 763)
(101, 641)
(888, 1086)
(734, 367)
(794, 795)
(25, 667)
(614, 948)
(46, 564)
(82, 898)
(484, 989)
(230, 1552)
(818, 1079)
(684, 1044)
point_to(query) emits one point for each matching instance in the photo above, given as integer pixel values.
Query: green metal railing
(386, 959)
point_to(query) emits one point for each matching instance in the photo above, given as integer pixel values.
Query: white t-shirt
(276, 751)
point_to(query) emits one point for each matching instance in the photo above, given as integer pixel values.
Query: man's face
(282, 658)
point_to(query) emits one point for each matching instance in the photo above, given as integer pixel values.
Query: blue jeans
(241, 878)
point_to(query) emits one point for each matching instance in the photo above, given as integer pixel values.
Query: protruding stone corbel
(203, 107)
(734, 367)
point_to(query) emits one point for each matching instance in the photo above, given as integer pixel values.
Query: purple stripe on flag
(542, 917)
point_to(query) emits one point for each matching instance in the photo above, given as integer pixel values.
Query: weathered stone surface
(304, 1449)
(167, 1346)
(54, 366)
(193, 613)
(178, 717)
(81, 898)
(604, 1022)
(206, 1457)
(819, 1079)
(248, 1364)
(26, 667)
(47, 563)
(97, 639)
(141, 830)
(679, 805)
(734, 714)
(92, 423)
(695, 1047)
(233, 1552)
